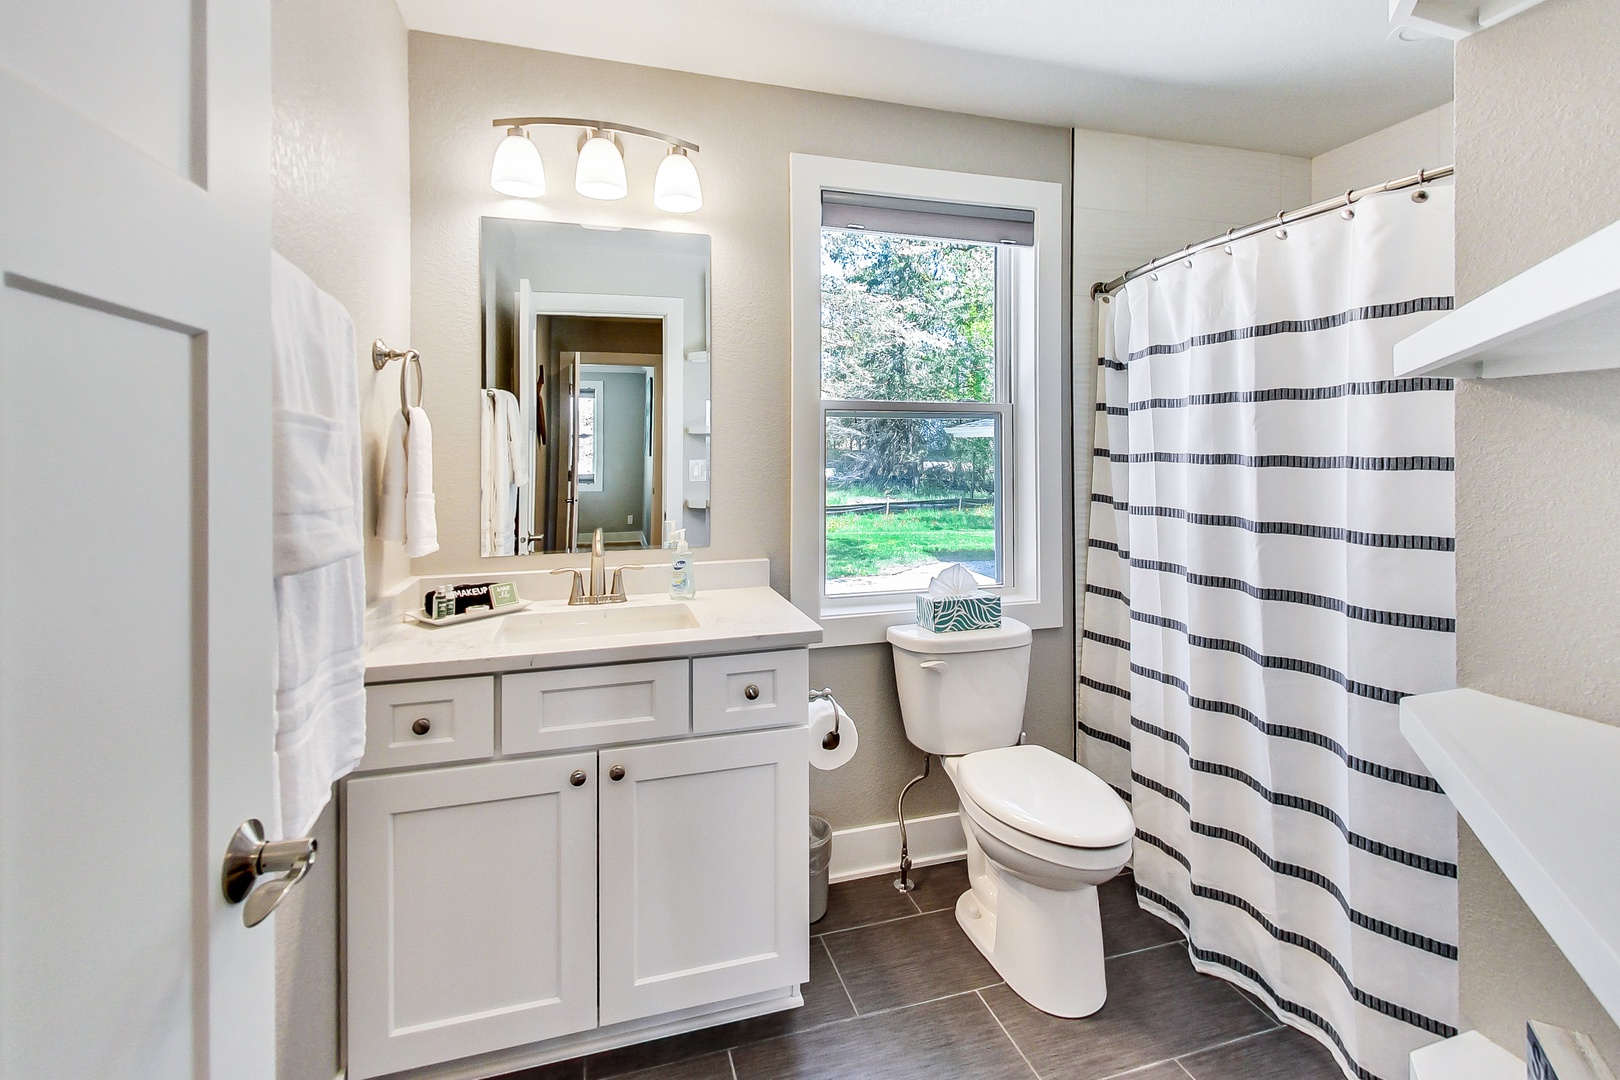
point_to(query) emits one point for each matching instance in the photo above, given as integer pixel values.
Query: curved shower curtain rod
(1287, 217)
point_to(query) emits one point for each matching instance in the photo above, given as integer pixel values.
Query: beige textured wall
(1538, 510)
(341, 212)
(747, 132)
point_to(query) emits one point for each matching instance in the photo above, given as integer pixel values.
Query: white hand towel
(516, 445)
(500, 476)
(320, 577)
(421, 522)
(486, 476)
(391, 500)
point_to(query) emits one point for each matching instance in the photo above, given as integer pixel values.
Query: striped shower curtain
(1270, 571)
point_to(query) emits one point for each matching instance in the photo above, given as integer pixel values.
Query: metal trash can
(820, 865)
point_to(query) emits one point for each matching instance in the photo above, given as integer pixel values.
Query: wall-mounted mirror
(596, 387)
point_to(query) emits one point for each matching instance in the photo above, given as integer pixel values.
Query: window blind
(926, 217)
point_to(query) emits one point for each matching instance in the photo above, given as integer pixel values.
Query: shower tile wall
(1136, 199)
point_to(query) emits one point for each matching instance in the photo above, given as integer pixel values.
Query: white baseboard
(875, 849)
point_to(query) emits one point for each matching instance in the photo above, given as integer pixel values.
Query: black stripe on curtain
(1293, 393)
(1289, 461)
(1426, 863)
(1298, 734)
(1422, 942)
(1403, 541)
(1301, 326)
(1282, 1004)
(1273, 663)
(1437, 623)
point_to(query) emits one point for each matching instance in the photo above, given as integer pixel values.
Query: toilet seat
(1106, 860)
(1040, 794)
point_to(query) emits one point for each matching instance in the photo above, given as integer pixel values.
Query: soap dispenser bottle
(681, 584)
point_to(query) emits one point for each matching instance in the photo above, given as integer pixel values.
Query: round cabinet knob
(616, 773)
(751, 692)
(421, 726)
(577, 778)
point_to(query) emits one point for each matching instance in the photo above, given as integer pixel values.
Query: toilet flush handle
(933, 665)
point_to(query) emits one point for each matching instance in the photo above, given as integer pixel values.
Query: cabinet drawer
(556, 710)
(423, 723)
(753, 690)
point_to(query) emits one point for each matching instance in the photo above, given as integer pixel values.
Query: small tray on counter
(467, 616)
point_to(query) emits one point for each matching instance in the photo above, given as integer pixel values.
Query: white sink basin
(607, 620)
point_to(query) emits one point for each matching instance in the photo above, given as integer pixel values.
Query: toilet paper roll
(822, 715)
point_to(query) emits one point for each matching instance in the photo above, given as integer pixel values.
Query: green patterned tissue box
(943, 614)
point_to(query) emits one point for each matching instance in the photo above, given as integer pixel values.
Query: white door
(529, 402)
(705, 871)
(471, 900)
(136, 652)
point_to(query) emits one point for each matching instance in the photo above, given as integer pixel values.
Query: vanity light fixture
(518, 171)
(676, 189)
(599, 173)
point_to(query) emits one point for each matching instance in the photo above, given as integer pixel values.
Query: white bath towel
(320, 576)
(421, 522)
(505, 469)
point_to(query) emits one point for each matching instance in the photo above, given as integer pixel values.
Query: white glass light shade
(517, 170)
(600, 173)
(676, 189)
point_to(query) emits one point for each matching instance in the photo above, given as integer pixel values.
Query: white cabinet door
(135, 658)
(471, 910)
(704, 871)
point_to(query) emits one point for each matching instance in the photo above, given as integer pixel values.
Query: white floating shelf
(1562, 314)
(1453, 19)
(1469, 1056)
(1538, 789)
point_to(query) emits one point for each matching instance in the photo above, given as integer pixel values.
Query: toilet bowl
(1042, 831)
(1032, 903)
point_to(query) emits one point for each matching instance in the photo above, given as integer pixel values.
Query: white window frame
(595, 388)
(1032, 500)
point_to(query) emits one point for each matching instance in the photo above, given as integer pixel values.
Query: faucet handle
(617, 592)
(578, 587)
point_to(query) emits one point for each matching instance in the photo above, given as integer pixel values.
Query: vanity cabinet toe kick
(547, 863)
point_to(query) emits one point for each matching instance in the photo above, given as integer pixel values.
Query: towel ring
(412, 359)
(381, 354)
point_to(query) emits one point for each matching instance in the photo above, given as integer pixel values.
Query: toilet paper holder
(830, 740)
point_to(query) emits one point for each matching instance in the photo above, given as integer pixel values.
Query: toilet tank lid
(912, 638)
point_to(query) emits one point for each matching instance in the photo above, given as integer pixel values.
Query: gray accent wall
(1538, 508)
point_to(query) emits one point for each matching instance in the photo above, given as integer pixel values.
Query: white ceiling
(1289, 76)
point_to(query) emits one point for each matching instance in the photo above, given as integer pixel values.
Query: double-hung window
(921, 438)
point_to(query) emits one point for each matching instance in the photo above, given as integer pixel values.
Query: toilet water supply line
(830, 742)
(904, 882)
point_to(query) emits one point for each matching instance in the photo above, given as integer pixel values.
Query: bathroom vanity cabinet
(542, 863)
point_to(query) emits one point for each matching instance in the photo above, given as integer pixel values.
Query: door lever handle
(250, 856)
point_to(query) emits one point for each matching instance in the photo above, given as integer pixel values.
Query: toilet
(1042, 831)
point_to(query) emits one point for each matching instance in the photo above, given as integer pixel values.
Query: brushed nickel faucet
(597, 592)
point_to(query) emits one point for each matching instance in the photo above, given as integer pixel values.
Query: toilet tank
(962, 691)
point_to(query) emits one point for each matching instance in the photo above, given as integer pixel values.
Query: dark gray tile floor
(897, 992)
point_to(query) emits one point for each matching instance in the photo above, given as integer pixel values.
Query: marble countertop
(729, 620)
